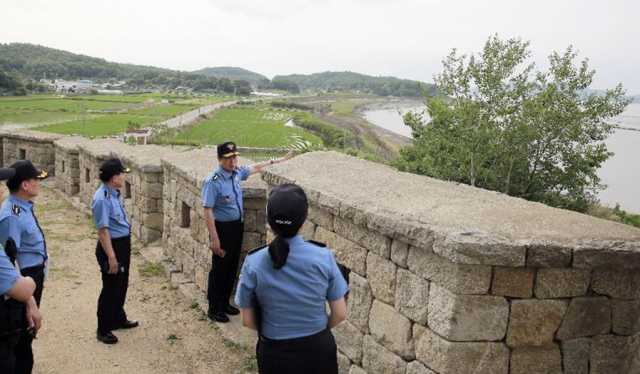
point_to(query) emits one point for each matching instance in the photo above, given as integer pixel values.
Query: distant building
(110, 92)
(265, 94)
(83, 85)
(141, 136)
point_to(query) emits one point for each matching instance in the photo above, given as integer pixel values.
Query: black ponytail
(279, 251)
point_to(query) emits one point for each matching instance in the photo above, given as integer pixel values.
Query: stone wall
(447, 278)
(35, 146)
(67, 163)
(185, 236)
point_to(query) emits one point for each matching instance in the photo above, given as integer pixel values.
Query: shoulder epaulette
(216, 176)
(256, 249)
(15, 209)
(107, 194)
(319, 244)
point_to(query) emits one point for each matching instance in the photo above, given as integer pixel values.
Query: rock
(378, 359)
(614, 354)
(349, 341)
(355, 369)
(616, 283)
(391, 329)
(625, 316)
(478, 247)
(536, 360)
(346, 253)
(587, 316)
(575, 356)
(534, 322)
(343, 364)
(415, 367)
(447, 357)
(561, 282)
(399, 253)
(320, 217)
(513, 281)
(381, 274)
(368, 239)
(359, 302)
(412, 296)
(467, 317)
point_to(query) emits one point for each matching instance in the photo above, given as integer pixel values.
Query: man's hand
(113, 266)
(34, 318)
(214, 246)
(288, 156)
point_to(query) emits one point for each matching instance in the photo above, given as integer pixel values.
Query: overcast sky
(402, 38)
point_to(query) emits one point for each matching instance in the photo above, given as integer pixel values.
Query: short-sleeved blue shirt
(18, 222)
(108, 211)
(8, 274)
(222, 191)
(292, 299)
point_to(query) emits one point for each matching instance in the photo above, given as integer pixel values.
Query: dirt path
(174, 336)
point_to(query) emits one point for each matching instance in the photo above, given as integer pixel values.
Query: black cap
(287, 208)
(7, 173)
(227, 149)
(111, 167)
(24, 171)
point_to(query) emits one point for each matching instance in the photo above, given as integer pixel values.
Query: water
(621, 172)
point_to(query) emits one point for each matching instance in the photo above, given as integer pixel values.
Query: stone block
(536, 360)
(349, 341)
(610, 254)
(617, 283)
(378, 359)
(355, 369)
(467, 317)
(381, 274)
(320, 217)
(359, 302)
(561, 282)
(575, 356)
(415, 367)
(346, 253)
(251, 240)
(308, 230)
(478, 247)
(250, 220)
(513, 281)
(625, 316)
(261, 222)
(412, 296)
(586, 316)
(370, 240)
(534, 322)
(160, 206)
(153, 221)
(255, 204)
(447, 357)
(343, 364)
(460, 279)
(543, 255)
(614, 354)
(399, 253)
(391, 329)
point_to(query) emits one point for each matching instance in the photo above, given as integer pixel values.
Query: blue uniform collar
(112, 192)
(26, 205)
(295, 240)
(225, 174)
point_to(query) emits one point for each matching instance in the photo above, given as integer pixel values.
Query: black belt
(229, 223)
(293, 341)
(121, 239)
(32, 269)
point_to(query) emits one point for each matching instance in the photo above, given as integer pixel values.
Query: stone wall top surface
(458, 220)
(146, 158)
(197, 164)
(31, 135)
(70, 143)
(102, 148)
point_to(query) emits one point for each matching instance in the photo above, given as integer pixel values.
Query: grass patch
(194, 305)
(51, 207)
(145, 298)
(149, 269)
(249, 364)
(172, 338)
(135, 250)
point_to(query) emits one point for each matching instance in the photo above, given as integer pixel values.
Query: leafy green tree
(501, 124)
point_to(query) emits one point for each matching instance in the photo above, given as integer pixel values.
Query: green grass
(149, 269)
(347, 108)
(250, 127)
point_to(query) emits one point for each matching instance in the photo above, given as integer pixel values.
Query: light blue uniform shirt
(108, 211)
(8, 274)
(292, 299)
(222, 191)
(18, 222)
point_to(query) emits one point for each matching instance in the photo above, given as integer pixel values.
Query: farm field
(250, 126)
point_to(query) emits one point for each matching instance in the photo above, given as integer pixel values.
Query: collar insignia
(107, 194)
(215, 177)
(15, 209)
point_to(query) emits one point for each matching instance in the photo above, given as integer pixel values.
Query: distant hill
(349, 81)
(232, 73)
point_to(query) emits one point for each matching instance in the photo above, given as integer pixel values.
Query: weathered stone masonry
(443, 278)
(35, 146)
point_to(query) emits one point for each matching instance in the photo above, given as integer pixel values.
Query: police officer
(18, 222)
(292, 279)
(224, 216)
(113, 250)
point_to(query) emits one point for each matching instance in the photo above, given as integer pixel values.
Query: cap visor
(42, 175)
(230, 154)
(7, 173)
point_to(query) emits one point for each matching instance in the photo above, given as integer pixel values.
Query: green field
(250, 126)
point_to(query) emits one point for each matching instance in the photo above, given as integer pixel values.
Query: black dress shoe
(218, 316)
(107, 338)
(128, 324)
(231, 310)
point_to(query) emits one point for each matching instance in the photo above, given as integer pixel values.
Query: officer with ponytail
(292, 280)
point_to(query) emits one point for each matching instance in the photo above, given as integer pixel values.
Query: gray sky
(402, 38)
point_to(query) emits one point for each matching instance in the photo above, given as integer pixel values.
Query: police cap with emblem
(24, 171)
(111, 167)
(287, 208)
(227, 149)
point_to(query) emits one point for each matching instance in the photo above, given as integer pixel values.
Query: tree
(502, 125)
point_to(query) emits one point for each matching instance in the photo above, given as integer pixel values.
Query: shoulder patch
(319, 244)
(256, 249)
(15, 209)
(216, 176)
(107, 194)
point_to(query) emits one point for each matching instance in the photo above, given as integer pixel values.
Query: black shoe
(217, 316)
(107, 338)
(127, 325)
(231, 310)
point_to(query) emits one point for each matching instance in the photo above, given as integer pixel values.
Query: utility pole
(84, 118)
